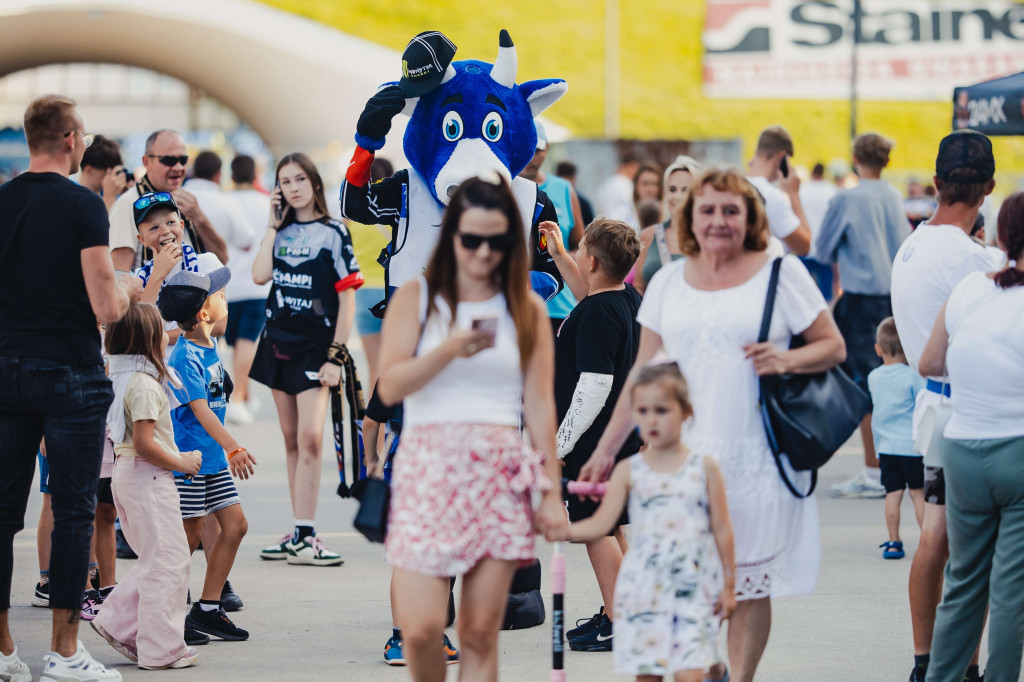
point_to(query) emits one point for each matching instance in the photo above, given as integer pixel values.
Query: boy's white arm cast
(589, 398)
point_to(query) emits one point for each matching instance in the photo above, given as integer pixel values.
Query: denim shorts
(245, 320)
(366, 298)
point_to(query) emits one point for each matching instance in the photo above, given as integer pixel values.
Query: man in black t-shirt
(594, 351)
(56, 282)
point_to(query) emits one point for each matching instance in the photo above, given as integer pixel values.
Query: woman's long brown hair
(139, 332)
(309, 168)
(512, 274)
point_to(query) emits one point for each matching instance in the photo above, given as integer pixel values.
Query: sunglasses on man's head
(149, 199)
(499, 243)
(170, 161)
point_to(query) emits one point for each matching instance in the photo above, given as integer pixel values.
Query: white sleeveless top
(486, 388)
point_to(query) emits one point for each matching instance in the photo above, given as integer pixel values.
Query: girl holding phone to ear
(310, 260)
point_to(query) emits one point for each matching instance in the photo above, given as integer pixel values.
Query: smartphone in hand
(784, 167)
(279, 209)
(489, 326)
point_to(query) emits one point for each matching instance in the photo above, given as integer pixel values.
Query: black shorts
(104, 493)
(858, 317)
(289, 359)
(899, 472)
(934, 486)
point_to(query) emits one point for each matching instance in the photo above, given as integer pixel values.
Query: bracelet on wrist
(235, 452)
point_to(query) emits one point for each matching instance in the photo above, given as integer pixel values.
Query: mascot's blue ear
(541, 94)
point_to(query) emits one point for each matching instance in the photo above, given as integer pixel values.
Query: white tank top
(486, 388)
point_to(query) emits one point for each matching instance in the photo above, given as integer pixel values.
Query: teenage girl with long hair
(469, 349)
(309, 257)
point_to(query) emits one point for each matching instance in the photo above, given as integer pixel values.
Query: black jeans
(66, 404)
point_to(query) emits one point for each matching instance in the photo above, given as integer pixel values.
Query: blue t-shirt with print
(202, 378)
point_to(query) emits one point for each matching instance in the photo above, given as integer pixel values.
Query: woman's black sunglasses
(499, 243)
(170, 161)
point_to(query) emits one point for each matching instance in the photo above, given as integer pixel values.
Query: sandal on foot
(893, 550)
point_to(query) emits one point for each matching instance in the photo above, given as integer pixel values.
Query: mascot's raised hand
(375, 122)
(466, 118)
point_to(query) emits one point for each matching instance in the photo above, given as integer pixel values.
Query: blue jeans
(66, 404)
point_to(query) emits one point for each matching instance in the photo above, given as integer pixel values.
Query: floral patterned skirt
(461, 493)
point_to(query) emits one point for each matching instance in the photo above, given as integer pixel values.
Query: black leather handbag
(807, 417)
(374, 500)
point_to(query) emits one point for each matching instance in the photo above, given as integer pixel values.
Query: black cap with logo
(965, 158)
(424, 63)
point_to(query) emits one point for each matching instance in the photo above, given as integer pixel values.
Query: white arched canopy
(297, 83)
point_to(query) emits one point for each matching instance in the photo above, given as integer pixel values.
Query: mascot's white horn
(507, 63)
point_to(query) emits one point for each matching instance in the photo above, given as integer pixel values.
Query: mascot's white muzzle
(470, 158)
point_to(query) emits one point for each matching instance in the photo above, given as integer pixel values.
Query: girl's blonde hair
(669, 375)
(139, 332)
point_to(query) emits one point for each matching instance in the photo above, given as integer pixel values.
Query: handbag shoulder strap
(769, 303)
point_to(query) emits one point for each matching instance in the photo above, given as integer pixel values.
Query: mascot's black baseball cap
(965, 158)
(424, 63)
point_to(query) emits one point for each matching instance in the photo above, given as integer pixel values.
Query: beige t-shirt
(144, 398)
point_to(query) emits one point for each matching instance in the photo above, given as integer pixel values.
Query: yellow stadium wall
(661, 97)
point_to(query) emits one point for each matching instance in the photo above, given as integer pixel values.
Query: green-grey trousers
(985, 523)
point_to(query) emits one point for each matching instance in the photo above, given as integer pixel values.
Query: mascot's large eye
(493, 127)
(452, 126)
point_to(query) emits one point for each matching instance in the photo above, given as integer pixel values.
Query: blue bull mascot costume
(466, 118)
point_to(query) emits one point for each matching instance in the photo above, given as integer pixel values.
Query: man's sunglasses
(499, 243)
(170, 161)
(87, 138)
(150, 199)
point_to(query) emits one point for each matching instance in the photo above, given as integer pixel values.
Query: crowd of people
(643, 370)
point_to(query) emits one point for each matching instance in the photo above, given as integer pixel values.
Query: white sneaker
(253, 404)
(859, 486)
(238, 414)
(13, 669)
(310, 551)
(81, 667)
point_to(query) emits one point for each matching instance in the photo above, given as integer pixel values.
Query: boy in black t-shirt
(594, 351)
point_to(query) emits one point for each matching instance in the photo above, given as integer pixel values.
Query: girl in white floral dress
(672, 591)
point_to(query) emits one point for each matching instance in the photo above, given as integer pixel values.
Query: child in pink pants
(144, 617)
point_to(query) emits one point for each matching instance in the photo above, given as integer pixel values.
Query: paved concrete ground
(331, 623)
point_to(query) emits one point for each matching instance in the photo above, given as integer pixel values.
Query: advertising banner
(908, 49)
(994, 107)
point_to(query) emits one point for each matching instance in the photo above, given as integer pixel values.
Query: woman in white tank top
(461, 488)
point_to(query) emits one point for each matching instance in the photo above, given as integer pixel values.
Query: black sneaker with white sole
(585, 625)
(230, 601)
(215, 624)
(598, 639)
